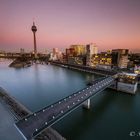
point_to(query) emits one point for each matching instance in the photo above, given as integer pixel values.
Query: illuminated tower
(34, 29)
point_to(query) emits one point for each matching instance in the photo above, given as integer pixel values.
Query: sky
(108, 23)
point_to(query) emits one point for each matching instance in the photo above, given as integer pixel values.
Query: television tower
(34, 29)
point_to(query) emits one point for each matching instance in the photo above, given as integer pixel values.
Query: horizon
(110, 24)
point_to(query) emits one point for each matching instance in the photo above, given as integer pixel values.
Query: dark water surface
(113, 115)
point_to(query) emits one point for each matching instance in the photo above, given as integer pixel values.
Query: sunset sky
(60, 23)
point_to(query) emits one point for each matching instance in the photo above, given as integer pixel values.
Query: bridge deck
(33, 124)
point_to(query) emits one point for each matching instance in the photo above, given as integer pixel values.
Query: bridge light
(46, 123)
(68, 106)
(78, 100)
(65, 99)
(25, 119)
(51, 105)
(34, 114)
(59, 102)
(73, 103)
(36, 129)
(61, 111)
(69, 96)
(43, 110)
(53, 117)
(74, 94)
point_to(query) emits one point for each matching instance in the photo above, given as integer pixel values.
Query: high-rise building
(78, 49)
(55, 51)
(95, 49)
(56, 54)
(120, 58)
(34, 29)
(91, 49)
(70, 52)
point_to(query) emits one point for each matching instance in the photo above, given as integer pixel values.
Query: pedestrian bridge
(35, 123)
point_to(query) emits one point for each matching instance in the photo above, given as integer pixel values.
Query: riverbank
(13, 110)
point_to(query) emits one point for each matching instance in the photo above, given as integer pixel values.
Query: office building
(120, 58)
(91, 49)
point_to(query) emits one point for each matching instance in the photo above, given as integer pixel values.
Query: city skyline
(110, 24)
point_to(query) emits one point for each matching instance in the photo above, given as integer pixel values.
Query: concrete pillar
(86, 104)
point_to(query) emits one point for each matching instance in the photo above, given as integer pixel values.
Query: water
(113, 115)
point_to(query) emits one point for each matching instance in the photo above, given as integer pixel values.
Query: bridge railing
(61, 100)
(68, 110)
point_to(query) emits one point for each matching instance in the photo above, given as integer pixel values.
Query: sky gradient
(108, 23)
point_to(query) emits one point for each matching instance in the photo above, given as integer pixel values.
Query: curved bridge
(35, 123)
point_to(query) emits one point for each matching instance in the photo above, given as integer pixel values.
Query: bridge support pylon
(86, 104)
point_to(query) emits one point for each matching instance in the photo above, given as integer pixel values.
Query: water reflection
(112, 115)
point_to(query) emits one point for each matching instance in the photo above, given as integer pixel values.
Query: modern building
(137, 69)
(102, 60)
(78, 49)
(120, 58)
(127, 82)
(55, 51)
(70, 52)
(91, 49)
(56, 54)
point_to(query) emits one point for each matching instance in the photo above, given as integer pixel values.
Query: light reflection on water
(112, 115)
